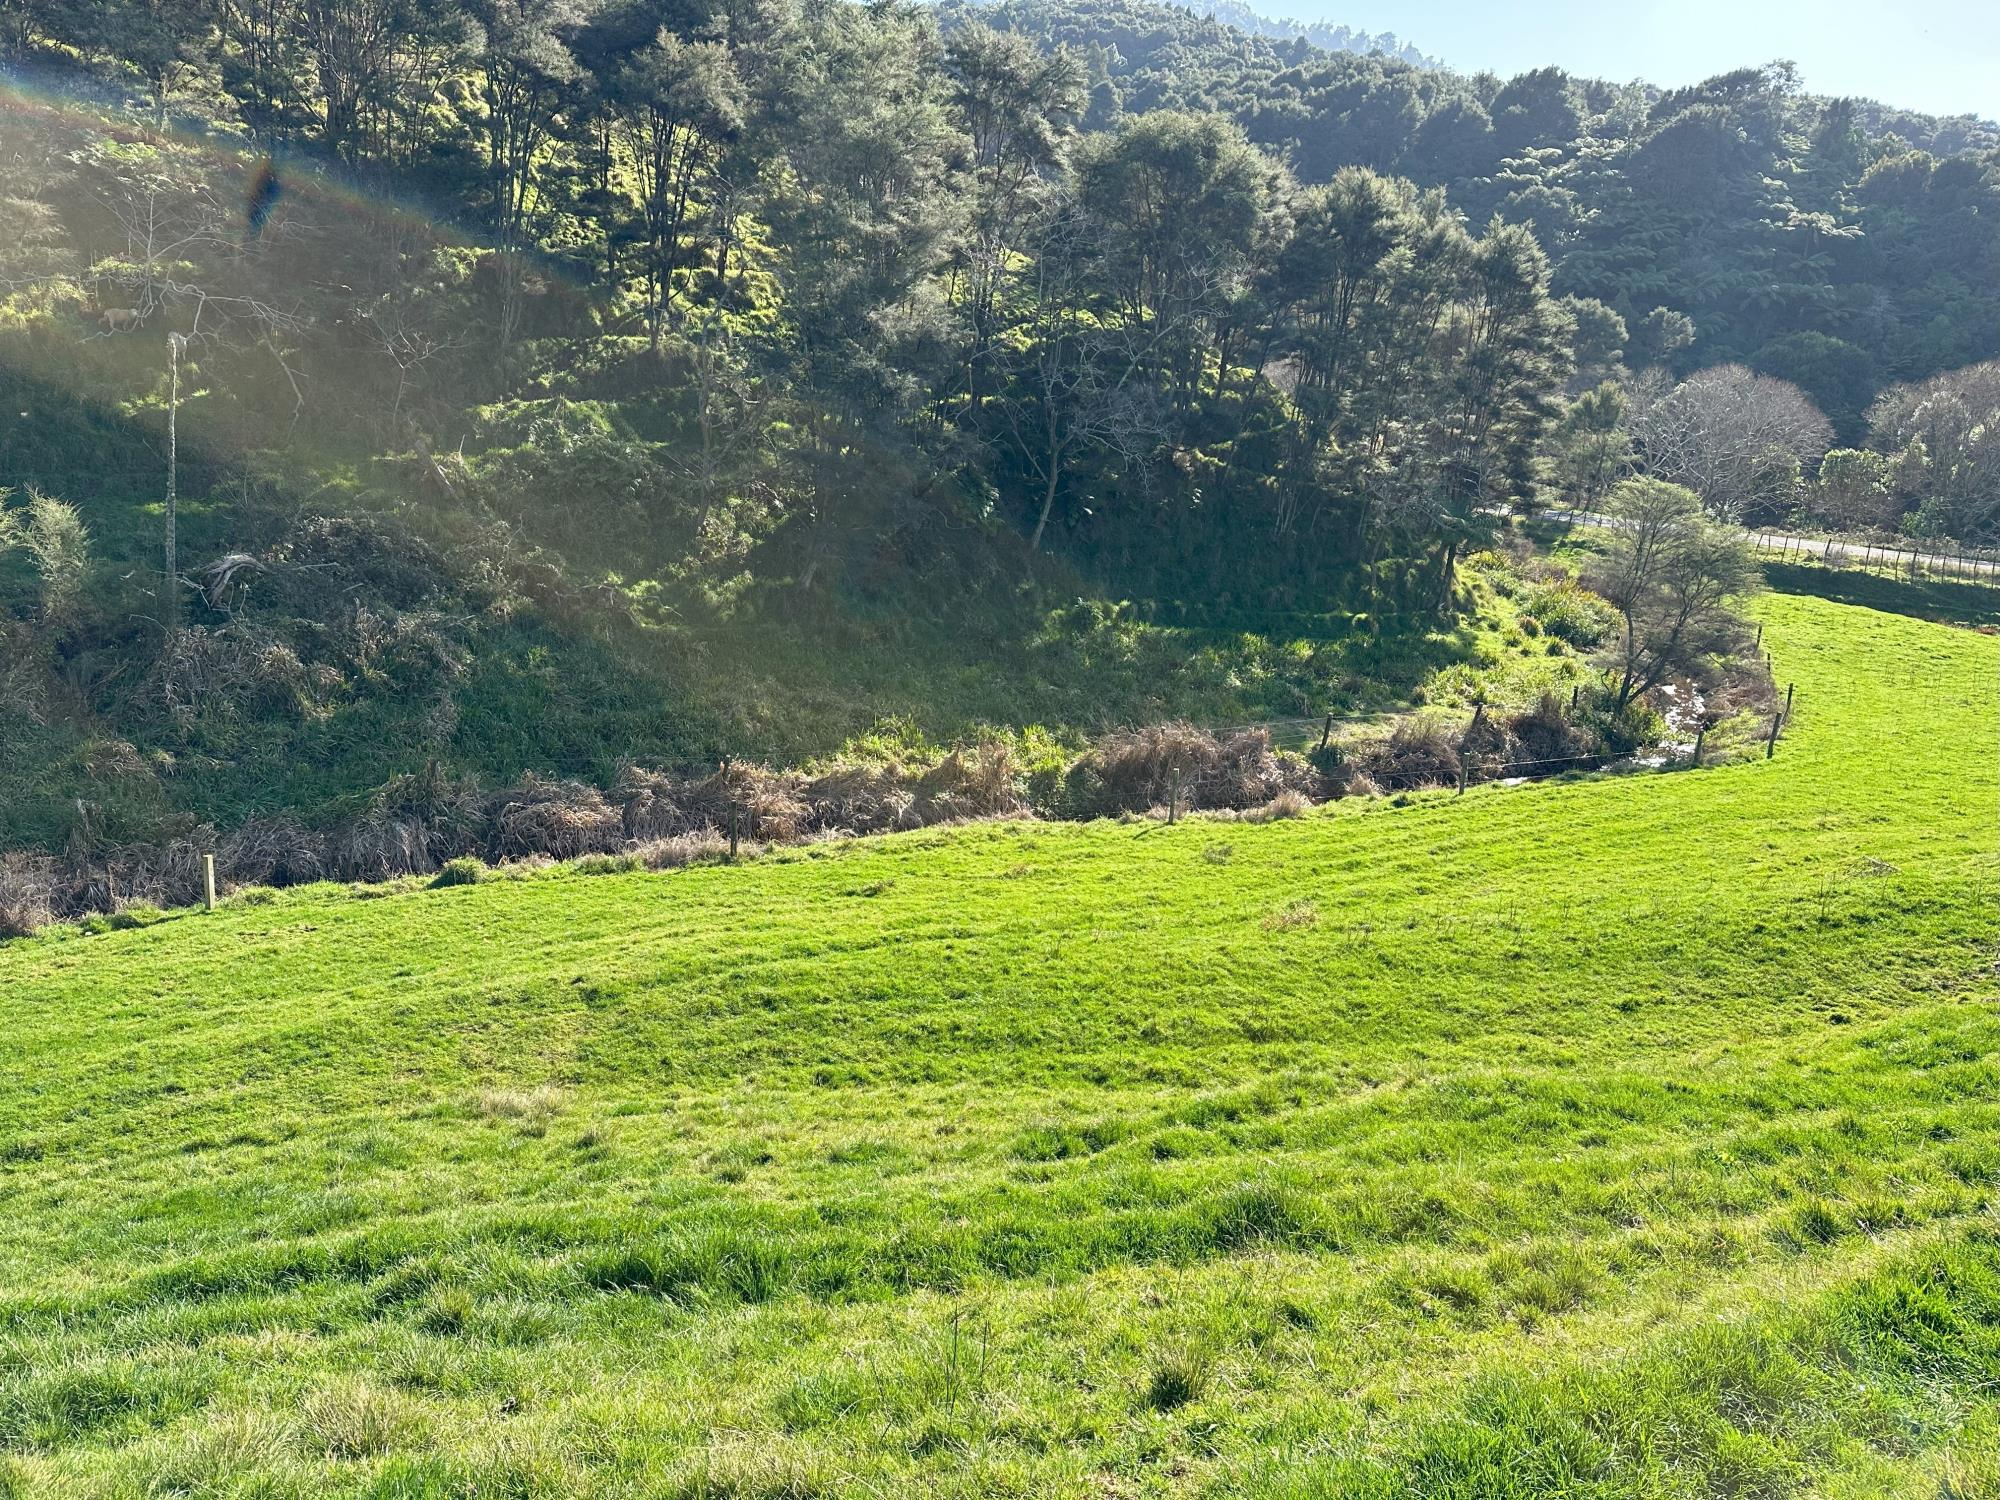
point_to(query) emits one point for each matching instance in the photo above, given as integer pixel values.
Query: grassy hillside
(1618, 1138)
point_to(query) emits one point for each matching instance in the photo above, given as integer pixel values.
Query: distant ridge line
(1332, 38)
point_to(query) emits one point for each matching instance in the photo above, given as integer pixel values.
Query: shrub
(1562, 609)
(1420, 752)
(1618, 731)
(461, 871)
(1544, 732)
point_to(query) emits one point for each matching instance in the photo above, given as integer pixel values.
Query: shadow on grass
(1944, 601)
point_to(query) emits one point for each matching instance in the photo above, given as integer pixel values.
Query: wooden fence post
(1464, 770)
(1771, 745)
(1326, 731)
(208, 882)
(1790, 688)
(732, 830)
(1700, 734)
(1173, 795)
(1574, 689)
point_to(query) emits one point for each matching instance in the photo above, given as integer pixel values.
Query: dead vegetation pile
(1138, 770)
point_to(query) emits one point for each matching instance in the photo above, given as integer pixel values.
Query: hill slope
(1634, 1135)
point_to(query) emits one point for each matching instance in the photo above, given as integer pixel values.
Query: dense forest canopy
(572, 313)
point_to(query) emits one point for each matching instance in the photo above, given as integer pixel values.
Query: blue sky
(1942, 56)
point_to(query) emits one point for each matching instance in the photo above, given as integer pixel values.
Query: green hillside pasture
(1614, 1138)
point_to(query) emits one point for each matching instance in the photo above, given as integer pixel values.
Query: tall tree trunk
(1048, 504)
(172, 608)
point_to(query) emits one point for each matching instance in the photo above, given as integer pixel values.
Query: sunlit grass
(1622, 1137)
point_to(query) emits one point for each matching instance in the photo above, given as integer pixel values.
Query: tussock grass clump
(409, 826)
(740, 1471)
(271, 852)
(1182, 1375)
(766, 804)
(1287, 804)
(357, 1419)
(461, 871)
(1342, 775)
(609, 864)
(731, 1263)
(702, 846)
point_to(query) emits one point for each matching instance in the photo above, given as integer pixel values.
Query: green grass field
(1623, 1137)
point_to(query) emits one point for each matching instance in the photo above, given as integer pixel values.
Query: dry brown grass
(531, 1109)
(1289, 918)
(562, 819)
(28, 898)
(1287, 804)
(1420, 752)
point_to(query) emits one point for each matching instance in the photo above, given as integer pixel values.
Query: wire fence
(1912, 560)
(1900, 561)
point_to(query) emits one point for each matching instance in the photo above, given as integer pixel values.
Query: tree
(1663, 334)
(1671, 573)
(1942, 437)
(525, 71)
(1183, 201)
(1018, 107)
(678, 105)
(1078, 383)
(1852, 490)
(1737, 439)
(1840, 378)
(864, 206)
(1589, 447)
(352, 44)
(1332, 285)
(1597, 343)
